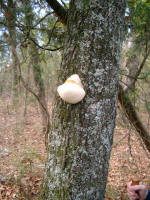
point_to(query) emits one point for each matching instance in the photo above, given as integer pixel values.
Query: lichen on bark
(81, 135)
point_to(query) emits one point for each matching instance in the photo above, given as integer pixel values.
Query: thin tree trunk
(81, 135)
(132, 66)
(134, 71)
(11, 17)
(133, 117)
(39, 83)
(26, 94)
(37, 72)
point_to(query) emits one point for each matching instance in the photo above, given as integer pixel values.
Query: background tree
(35, 62)
(10, 18)
(139, 13)
(26, 40)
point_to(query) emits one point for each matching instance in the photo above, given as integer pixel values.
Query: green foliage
(132, 95)
(86, 4)
(137, 44)
(139, 18)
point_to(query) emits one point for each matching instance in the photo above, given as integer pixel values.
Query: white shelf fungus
(72, 90)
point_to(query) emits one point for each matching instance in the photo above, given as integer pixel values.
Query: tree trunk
(26, 95)
(11, 17)
(39, 83)
(132, 65)
(81, 135)
(37, 71)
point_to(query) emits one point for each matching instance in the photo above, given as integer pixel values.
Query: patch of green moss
(86, 4)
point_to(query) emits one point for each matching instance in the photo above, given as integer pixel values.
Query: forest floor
(23, 155)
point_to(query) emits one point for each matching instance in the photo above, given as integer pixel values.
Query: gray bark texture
(81, 135)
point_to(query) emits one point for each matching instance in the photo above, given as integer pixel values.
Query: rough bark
(81, 135)
(133, 117)
(140, 129)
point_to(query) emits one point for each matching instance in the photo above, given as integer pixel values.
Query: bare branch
(59, 10)
(3, 6)
(48, 49)
(64, 4)
(51, 33)
(42, 19)
(132, 77)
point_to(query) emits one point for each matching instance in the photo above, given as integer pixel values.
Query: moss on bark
(81, 135)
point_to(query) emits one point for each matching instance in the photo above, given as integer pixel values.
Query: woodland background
(31, 44)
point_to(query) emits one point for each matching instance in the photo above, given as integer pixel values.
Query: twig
(51, 33)
(48, 49)
(115, 145)
(64, 4)
(138, 72)
(42, 19)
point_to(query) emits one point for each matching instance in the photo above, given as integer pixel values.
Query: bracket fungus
(72, 90)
